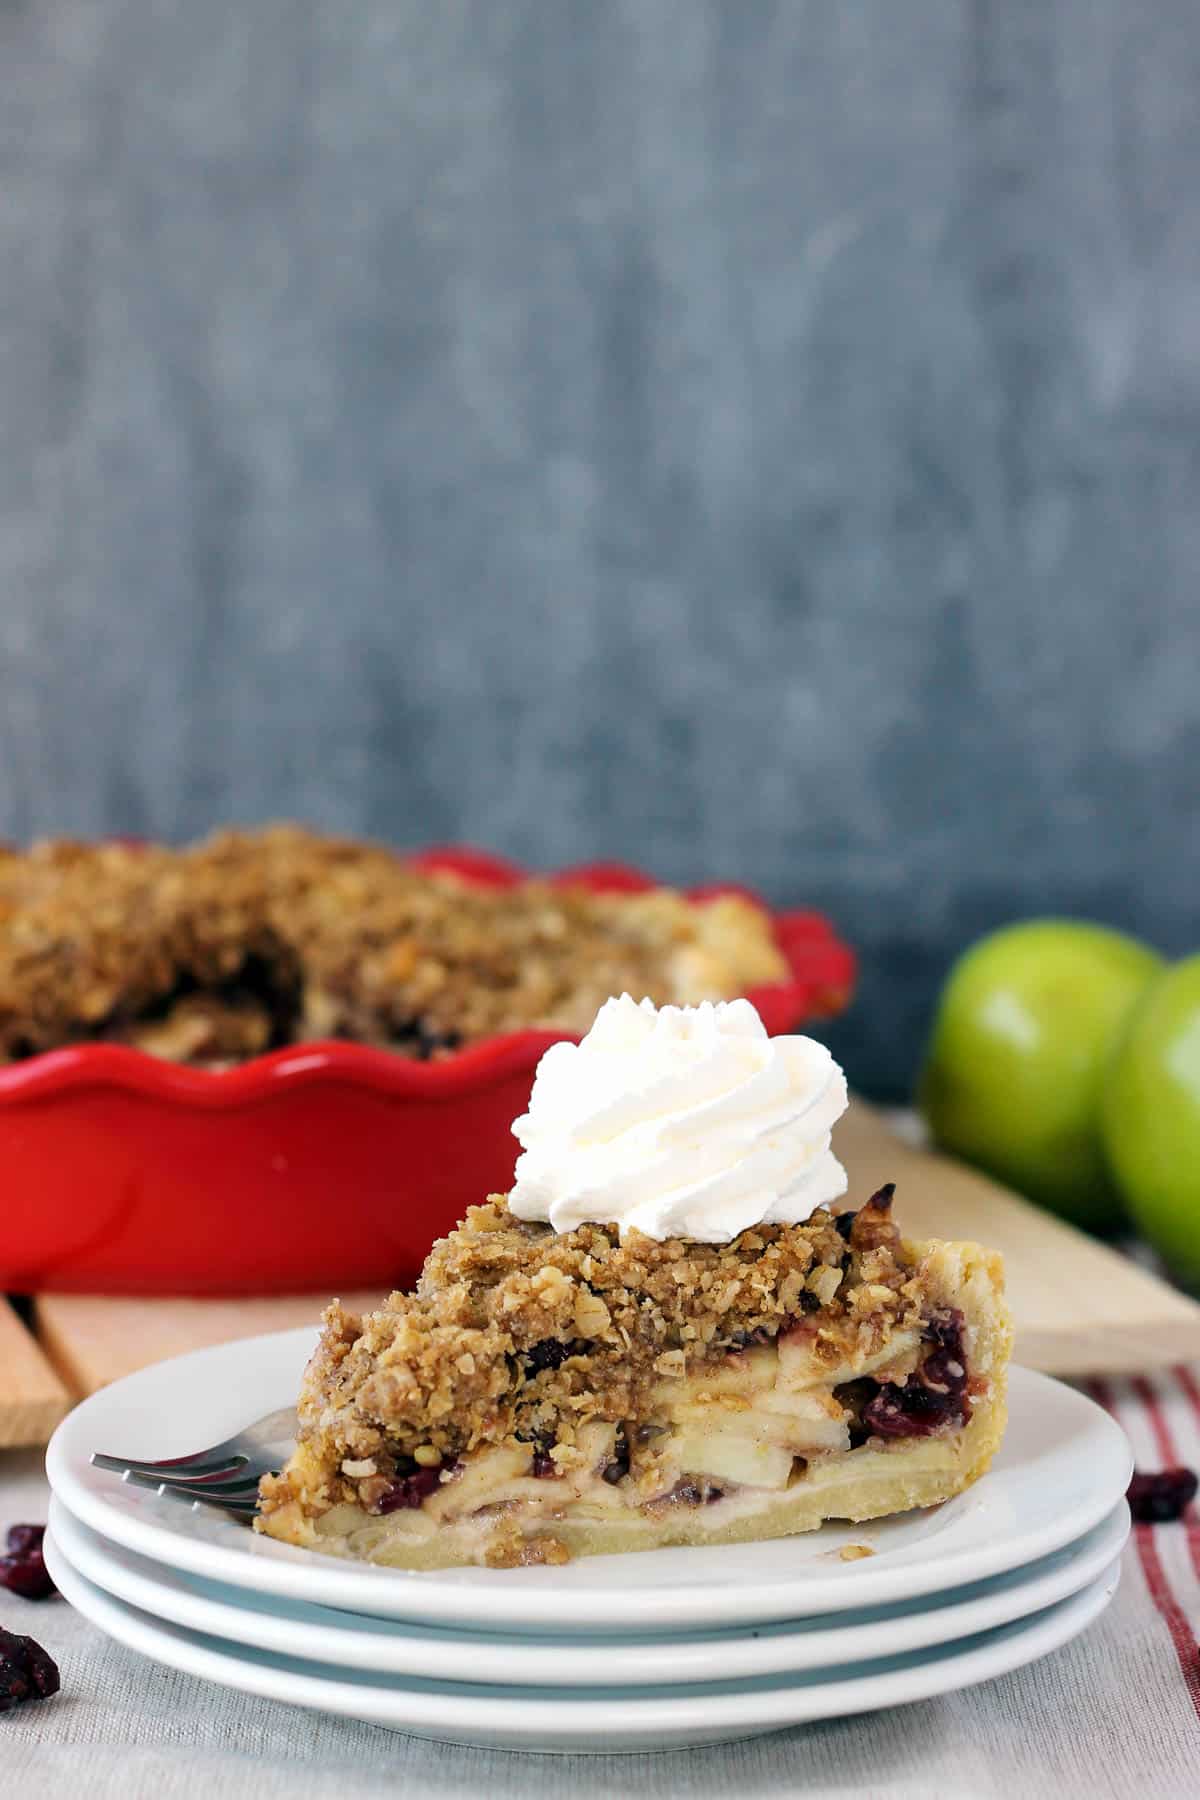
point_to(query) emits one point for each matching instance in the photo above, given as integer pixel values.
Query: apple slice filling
(754, 1420)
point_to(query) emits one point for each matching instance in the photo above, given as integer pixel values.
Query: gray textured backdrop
(755, 438)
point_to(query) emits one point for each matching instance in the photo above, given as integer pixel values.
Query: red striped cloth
(1161, 1417)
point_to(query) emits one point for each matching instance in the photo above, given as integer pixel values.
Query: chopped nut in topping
(825, 1282)
(591, 1314)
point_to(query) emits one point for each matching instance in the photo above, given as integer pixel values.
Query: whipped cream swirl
(687, 1121)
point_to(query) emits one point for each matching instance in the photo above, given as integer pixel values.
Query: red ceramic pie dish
(323, 1166)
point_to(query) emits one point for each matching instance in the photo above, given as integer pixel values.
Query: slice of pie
(543, 1394)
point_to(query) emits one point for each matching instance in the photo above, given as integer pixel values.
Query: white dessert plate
(1062, 1468)
(635, 1718)
(351, 1641)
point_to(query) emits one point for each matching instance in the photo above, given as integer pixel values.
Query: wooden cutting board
(1080, 1307)
(32, 1398)
(95, 1339)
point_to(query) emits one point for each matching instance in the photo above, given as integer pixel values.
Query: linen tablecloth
(1113, 1716)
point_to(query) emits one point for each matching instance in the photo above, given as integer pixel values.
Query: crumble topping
(517, 1335)
(251, 940)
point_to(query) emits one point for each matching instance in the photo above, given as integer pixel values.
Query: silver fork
(225, 1475)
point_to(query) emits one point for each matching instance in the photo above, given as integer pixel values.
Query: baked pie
(561, 1384)
(250, 941)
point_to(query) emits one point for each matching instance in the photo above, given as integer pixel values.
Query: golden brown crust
(249, 940)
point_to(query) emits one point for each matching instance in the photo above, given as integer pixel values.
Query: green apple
(1150, 1117)
(1015, 1066)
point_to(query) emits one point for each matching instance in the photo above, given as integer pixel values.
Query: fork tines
(225, 1481)
(231, 1496)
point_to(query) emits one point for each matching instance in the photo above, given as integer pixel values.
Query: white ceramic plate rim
(547, 1719)
(1062, 1468)
(347, 1641)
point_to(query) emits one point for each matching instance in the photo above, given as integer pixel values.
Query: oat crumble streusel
(250, 940)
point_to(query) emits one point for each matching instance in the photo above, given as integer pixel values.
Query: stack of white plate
(662, 1649)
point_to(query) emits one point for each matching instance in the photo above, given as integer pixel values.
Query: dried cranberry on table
(26, 1671)
(1162, 1498)
(23, 1569)
(24, 1537)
